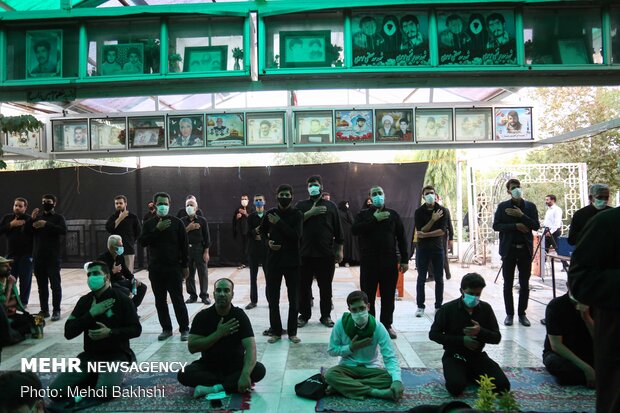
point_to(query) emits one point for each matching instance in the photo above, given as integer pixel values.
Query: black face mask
(47, 207)
(284, 202)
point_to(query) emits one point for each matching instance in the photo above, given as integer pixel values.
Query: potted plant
(10, 124)
(237, 54)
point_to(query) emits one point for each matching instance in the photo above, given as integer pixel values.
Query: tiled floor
(287, 363)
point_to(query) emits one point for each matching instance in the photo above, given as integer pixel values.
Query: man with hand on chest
(257, 247)
(199, 242)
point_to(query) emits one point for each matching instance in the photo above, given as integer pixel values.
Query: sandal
(274, 339)
(295, 339)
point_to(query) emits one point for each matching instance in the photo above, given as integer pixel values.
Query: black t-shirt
(228, 349)
(563, 319)
(421, 218)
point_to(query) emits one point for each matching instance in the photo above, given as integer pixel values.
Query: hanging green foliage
(10, 124)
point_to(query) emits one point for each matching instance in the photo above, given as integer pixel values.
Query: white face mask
(190, 210)
(244, 202)
(361, 318)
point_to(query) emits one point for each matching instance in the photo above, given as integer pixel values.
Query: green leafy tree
(569, 109)
(16, 124)
(304, 158)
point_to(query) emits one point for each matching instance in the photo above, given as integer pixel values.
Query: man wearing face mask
(357, 338)
(282, 227)
(183, 212)
(321, 248)
(515, 220)
(430, 224)
(18, 229)
(257, 247)
(380, 231)
(120, 276)
(199, 242)
(108, 319)
(240, 227)
(166, 239)
(48, 227)
(599, 198)
(127, 225)
(463, 326)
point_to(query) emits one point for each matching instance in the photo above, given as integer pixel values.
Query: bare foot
(382, 394)
(201, 391)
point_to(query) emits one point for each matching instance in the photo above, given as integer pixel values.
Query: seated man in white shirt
(357, 338)
(553, 221)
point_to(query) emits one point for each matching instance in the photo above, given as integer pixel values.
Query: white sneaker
(420, 312)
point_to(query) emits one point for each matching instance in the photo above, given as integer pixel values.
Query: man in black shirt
(515, 220)
(120, 276)
(223, 334)
(380, 230)
(257, 247)
(321, 249)
(240, 227)
(568, 353)
(166, 239)
(430, 225)
(594, 279)
(108, 319)
(199, 242)
(463, 326)
(48, 227)
(599, 197)
(18, 229)
(282, 228)
(127, 225)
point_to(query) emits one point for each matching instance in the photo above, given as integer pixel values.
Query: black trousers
(199, 374)
(459, 371)
(565, 372)
(198, 265)
(164, 283)
(555, 236)
(48, 271)
(274, 276)
(373, 272)
(520, 258)
(256, 257)
(323, 269)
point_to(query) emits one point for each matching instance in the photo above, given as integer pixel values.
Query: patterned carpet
(175, 398)
(535, 390)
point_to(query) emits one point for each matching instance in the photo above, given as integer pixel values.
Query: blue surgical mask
(162, 210)
(259, 204)
(314, 190)
(361, 318)
(119, 250)
(470, 300)
(429, 198)
(378, 200)
(516, 193)
(96, 282)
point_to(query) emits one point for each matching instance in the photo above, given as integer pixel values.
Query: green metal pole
(83, 52)
(163, 47)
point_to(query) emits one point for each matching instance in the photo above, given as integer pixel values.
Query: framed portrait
(390, 38)
(121, 59)
(312, 128)
(473, 124)
(574, 52)
(477, 37)
(225, 129)
(513, 124)
(43, 53)
(305, 48)
(433, 125)
(108, 133)
(394, 125)
(147, 132)
(24, 139)
(205, 58)
(266, 128)
(70, 135)
(353, 126)
(186, 131)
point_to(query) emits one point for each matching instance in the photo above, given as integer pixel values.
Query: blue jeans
(22, 270)
(424, 256)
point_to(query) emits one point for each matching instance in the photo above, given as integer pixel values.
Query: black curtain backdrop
(86, 196)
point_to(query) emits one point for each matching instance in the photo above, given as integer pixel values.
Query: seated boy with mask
(463, 326)
(357, 338)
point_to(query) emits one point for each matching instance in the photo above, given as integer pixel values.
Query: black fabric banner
(86, 196)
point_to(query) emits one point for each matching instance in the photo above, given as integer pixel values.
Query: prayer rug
(535, 390)
(171, 396)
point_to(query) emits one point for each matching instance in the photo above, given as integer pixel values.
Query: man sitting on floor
(357, 338)
(108, 319)
(224, 335)
(569, 351)
(463, 326)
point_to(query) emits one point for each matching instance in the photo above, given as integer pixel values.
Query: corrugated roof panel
(25, 5)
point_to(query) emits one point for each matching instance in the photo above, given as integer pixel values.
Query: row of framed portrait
(311, 127)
